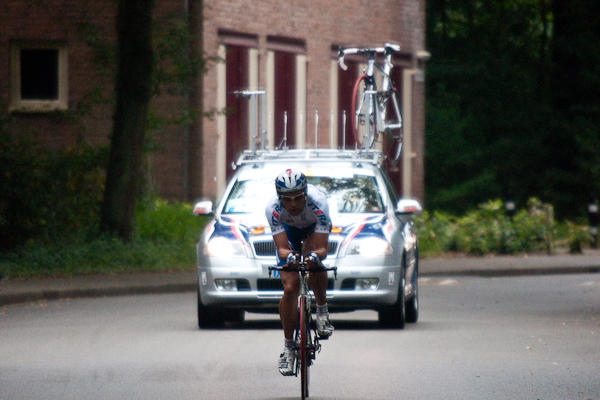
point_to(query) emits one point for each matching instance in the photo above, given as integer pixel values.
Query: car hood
(244, 226)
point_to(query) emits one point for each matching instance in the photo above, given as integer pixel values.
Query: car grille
(243, 285)
(270, 285)
(348, 284)
(266, 248)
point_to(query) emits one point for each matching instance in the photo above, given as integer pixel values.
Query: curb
(34, 290)
(43, 295)
(515, 272)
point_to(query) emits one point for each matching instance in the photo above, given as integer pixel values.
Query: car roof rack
(253, 157)
(260, 153)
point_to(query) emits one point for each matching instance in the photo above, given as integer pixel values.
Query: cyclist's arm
(281, 243)
(320, 242)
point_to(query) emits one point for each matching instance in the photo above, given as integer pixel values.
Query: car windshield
(356, 194)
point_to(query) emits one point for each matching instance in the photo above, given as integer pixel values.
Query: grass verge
(165, 240)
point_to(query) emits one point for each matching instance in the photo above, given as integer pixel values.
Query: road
(532, 337)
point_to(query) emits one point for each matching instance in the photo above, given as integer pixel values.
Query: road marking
(437, 282)
(448, 282)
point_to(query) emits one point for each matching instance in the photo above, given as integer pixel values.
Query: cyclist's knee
(291, 285)
(291, 291)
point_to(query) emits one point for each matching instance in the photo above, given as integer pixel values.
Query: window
(38, 77)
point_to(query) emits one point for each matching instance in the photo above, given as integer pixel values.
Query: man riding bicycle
(300, 224)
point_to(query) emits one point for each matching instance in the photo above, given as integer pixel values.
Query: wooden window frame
(17, 103)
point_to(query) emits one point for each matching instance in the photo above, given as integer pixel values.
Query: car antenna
(283, 144)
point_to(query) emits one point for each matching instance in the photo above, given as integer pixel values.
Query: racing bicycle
(375, 111)
(307, 342)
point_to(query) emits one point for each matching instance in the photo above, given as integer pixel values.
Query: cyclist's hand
(312, 260)
(293, 258)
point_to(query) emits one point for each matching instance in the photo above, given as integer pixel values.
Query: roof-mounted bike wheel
(363, 107)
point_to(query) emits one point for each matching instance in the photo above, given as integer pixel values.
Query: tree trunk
(196, 142)
(133, 93)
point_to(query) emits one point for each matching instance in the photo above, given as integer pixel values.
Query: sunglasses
(291, 198)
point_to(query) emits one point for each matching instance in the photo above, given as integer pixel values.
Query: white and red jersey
(316, 212)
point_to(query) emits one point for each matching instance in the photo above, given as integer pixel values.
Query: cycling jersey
(313, 218)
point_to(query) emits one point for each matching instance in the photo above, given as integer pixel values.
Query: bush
(49, 214)
(164, 240)
(487, 230)
(46, 193)
(578, 236)
(159, 220)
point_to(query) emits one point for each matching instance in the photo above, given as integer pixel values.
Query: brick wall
(319, 23)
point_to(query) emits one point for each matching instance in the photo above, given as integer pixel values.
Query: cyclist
(300, 224)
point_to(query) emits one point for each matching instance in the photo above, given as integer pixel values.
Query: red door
(236, 66)
(285, 97)
(346, 81)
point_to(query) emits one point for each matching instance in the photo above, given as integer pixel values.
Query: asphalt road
(527, 337)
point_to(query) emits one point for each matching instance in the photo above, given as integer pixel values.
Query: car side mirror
(203, 208)
(408, 206)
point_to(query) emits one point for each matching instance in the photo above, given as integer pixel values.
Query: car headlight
(366, 284)
(369, 247)
(226, 285)
(223, 247)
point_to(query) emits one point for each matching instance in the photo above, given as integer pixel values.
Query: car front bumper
(245, 283)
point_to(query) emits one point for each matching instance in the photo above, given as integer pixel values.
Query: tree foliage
(497, 120)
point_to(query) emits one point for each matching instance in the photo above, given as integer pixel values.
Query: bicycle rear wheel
(363, 125)
(304, 348)
(393, 125)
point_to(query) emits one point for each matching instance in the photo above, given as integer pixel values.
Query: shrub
(164, 240)
(159, 220)
(487, 230)
(46, 193)
(577, 237)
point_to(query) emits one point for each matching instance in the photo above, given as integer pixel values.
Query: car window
(250, 196)
(356, 194)
(390, 188)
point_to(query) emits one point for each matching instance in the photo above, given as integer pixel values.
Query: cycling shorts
(295, 237)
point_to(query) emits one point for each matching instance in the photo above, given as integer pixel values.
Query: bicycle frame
(307, 347)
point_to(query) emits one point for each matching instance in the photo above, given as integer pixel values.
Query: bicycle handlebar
(386, 49)
(302, 267)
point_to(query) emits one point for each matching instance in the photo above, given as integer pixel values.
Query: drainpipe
(407, 93)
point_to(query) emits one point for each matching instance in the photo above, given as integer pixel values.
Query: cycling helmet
(290, 180)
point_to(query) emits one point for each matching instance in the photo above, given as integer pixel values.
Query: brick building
(287, 49)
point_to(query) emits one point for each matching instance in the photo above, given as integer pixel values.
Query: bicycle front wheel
(363, 106)
(304, 348)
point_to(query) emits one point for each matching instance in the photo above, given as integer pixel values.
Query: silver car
(372, 242)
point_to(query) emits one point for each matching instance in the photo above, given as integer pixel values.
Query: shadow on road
(261, 322)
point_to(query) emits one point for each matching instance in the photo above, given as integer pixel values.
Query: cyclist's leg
(288, 314)
(316, 280)
(318, 283)
(288, 306)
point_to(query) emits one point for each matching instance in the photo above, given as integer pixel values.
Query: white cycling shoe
(287, 362)
(324, 327)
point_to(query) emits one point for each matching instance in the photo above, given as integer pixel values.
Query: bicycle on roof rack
(307, 342)
(375, 111)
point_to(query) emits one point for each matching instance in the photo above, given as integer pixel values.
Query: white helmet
(290, 180)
